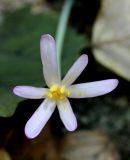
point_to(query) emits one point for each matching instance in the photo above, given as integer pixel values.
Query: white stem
(60, 34)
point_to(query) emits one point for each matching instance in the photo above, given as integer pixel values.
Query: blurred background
(98, 28)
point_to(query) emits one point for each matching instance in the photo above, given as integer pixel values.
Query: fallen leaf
(111, 36)
(88, 145)
(4, 155)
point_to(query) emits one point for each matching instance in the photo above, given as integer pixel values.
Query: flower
(59, 91)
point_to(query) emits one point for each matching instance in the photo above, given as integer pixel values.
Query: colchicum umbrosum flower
(58, 90)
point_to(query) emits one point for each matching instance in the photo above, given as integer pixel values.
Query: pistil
(57, 92)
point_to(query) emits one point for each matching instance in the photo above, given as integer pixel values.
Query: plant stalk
(61, 29)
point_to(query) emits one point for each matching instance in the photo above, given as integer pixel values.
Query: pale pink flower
(58, 90)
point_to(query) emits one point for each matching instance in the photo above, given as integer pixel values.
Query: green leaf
(71, 49)
(20, 54)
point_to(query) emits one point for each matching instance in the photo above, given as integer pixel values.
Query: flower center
(57, 92)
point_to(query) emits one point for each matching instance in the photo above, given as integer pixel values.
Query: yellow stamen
(57, 92)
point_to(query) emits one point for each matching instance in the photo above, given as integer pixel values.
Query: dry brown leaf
(111, 36)
(88, 145)
(4, 155)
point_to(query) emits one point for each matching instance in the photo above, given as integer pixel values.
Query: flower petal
(66, 114)
(75, 70)
(49, 59)
(92, 89)
(30, 92)
(38, 120)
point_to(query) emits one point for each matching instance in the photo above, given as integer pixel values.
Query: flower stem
(60, 34)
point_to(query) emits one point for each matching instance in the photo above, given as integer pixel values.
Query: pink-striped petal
(49, 59)
(38, 120)
(92, 89)
(75, 70)
(66, 114)
(30, 92)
